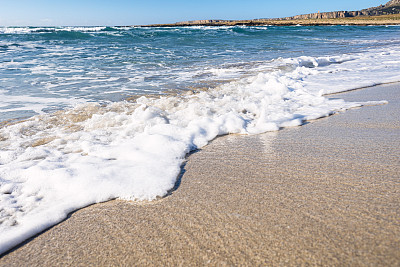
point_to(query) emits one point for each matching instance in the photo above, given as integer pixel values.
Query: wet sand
(326, 193)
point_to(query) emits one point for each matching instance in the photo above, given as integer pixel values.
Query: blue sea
(89, 114)
(47, 69)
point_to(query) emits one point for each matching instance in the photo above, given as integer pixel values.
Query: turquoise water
(46, 69)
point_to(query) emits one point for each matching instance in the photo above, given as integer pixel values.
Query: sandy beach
(325, 193)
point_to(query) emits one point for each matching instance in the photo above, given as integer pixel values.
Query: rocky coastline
(388, 14)
(390, 8)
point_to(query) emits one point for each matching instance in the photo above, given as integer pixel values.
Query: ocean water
(89, 114)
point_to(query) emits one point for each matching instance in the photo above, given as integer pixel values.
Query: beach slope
(326, 193)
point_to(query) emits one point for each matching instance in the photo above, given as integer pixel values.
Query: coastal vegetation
(388, 14)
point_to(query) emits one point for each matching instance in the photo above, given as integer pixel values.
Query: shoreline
(384, 20)
(322, 193)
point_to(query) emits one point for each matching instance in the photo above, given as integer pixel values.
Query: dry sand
(326, 193)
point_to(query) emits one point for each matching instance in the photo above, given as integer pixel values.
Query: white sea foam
(15, 30)
(53, 164)
(36, 104)
(27, 30)
(349, 71)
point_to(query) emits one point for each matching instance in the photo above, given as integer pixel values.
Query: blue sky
(124, 12)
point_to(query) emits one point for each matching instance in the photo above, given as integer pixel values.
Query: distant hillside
(391, 7)
(387, 14)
